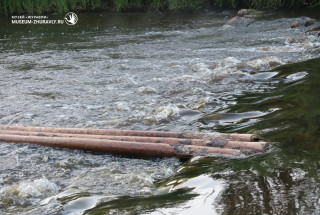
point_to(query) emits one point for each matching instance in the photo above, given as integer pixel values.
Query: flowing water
(178, 72)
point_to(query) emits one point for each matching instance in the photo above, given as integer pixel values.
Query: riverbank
(12, 7)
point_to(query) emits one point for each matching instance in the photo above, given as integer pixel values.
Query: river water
(172, 72)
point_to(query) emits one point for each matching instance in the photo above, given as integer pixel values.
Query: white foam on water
(120, 106)
(224, 67)
(200, 68)
(199, 103)
(162, 113)
(37, 188)
(264, 63)
(297, 174)
(229, 62)
(147, 90)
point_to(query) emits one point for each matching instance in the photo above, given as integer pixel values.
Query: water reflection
(286, 180)
(207, 190)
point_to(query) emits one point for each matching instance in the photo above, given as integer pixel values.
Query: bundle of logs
(138, 143)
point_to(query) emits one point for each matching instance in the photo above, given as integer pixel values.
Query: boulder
(306, 22)
(236, 20)
(274, 63)
(295, 24)
(314, 31)
(299, 39)
(302, 39)
(249, 13)
(309, 22)
(239, 20)
(244, 17)
(292, 40)
(243, 12)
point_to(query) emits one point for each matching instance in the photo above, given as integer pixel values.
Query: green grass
(10, 7)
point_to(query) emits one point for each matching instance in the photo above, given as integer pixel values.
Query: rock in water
(244, 17)
(304, 22)
(292, 40)
(239, 20)
(314, 31)
(309, 22)
(299, 39)
(243, 12)
(248, 13)
(236, 20)
(295, 24)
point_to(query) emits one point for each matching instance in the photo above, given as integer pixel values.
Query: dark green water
(293, 124)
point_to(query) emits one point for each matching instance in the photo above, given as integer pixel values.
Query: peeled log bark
(112, 132)
(255, 146)
(140, 143)
(168, 140)
(222, 143)
(122, 147)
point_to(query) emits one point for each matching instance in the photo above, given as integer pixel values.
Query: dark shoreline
(39, 7)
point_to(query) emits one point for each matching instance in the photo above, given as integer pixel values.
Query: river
(171, 72)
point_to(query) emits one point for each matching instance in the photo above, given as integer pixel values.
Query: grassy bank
(10, 7)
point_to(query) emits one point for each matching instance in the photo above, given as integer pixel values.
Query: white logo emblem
(71, 18)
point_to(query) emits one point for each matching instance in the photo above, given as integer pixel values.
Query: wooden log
(168, 140)
(222, 143)
(122, 147)
(254, 146)
(113, 132)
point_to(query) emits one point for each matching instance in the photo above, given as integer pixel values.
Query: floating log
(141, 143)
(168, 140)
(221, 143)
(113, 132)
(122, 147)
